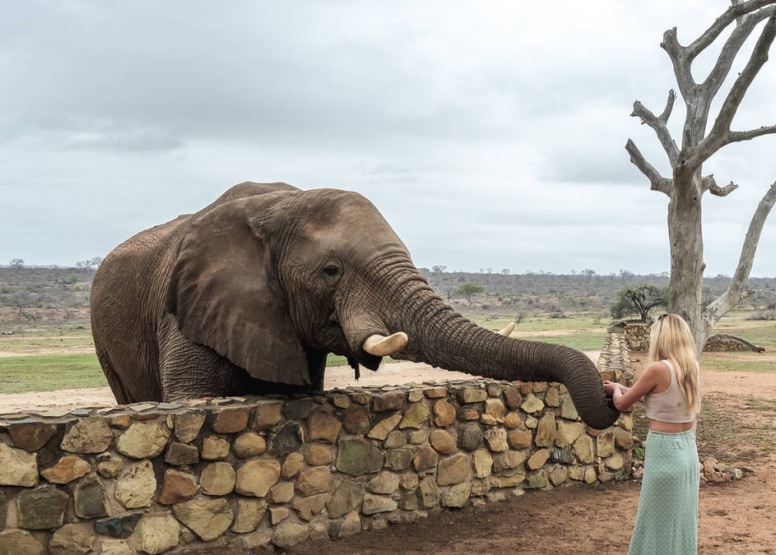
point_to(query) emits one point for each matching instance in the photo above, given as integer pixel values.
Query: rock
(444, 413)
(532, 404)
(249, 514)
(289, 534)
(143, 440)
(351, 525)
(231, 420)
(282, 492)
(292, 465)
(177, 486)
(67, 469)
(345, 499)
(356, 420)
(179, 454)
(188, 425)
(470, 437)
(317, 454)
(358, 456)
(19, 542)
(538, 459)
(495, 408)
(482, 461)
(374, 504)
(393, 400)
(255, 477)
(207, 518)
(399, 459)
(442, 442)
(558, 474)
(472, 395)
(218, 478)
(567, 409)
(249, 445)
(425, 458)
(136, 486)
(72, 539)
(427, 493)
(287, 439)
(89, 498)
(17, 467)
(384, 483)
(308, 507)
(508, 460)
(315, 480)
(115, 547)
(3, 509)
(157, 533)
(568, 432)
(42, 508)
(214, 448)
(454, 470)
(552, 397)
(298, 409)
(545, 431)
(614, 462)
(562, 455)
(512, 398)
(394, 439)
(31, 436)
(110, 467)
(497, 439)
(605, 443)
(584, 449)
(415, 417)
(267, 415)
(323, 426)
(88, 435)
(381, 430)
(456, 496)
(117, 527)
(520, 439)
(278, 515)
(536, 480)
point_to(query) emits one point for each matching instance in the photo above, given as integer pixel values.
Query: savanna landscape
(47, 360)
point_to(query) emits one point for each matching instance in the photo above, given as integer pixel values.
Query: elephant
(249, 295)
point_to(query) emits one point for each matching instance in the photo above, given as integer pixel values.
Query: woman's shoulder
(657, 372)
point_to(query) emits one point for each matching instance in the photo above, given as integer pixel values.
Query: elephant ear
(225, 294)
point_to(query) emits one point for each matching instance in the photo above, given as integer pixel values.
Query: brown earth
(737, 426)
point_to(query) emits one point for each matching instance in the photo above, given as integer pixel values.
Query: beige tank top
(669, 406)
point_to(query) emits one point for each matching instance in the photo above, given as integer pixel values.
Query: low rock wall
(216, 473)
(637, 336)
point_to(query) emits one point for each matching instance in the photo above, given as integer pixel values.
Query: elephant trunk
(443, 338)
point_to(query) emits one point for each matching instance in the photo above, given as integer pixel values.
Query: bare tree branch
(710, 184)
(718, 136)
(677, 54)
(730, 50)
(659, 125)
(659, 183)
(733, 12)
(735, 291)
(738, 136)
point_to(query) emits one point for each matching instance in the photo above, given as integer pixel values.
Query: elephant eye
(331, 270)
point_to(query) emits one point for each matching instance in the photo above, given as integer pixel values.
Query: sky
(489, 134)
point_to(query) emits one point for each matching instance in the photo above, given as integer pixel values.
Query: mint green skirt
(667, 518)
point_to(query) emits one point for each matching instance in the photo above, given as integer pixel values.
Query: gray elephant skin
(249, 295)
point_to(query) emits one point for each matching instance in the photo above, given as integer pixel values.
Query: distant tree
(506, 271)
(16, 263)
(639, 300)
(702, 135)
(438, 269)
(89, 263)
(469, 289)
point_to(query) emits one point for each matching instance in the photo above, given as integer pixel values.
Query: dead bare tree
(686, 186)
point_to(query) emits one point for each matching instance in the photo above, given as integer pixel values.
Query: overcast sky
(489, 134)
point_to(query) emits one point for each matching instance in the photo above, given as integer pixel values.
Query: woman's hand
(610, 388)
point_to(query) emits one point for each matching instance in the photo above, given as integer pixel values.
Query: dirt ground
(737, 426)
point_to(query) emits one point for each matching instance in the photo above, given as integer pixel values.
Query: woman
(667, 517)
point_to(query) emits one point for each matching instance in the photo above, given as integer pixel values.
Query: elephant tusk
(380, 346)
(507, 331)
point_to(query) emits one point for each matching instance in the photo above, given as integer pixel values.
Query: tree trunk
(686, 239)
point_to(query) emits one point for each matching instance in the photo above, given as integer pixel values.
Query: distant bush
(557, 314)
(763, 315)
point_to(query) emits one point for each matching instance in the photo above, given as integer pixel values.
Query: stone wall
(637, 336)
(237, 472)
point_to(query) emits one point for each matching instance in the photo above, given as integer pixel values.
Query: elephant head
(256, 289)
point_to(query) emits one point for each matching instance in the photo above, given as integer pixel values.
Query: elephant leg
(114, 381)
(190, 371)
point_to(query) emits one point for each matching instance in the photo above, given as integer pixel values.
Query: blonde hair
(671, 339)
